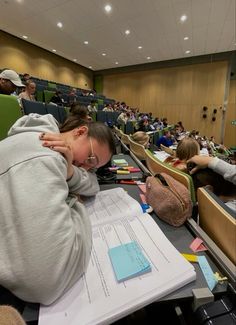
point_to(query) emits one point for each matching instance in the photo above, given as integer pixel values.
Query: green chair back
(9, 112)
(52, 86)
(48, 94)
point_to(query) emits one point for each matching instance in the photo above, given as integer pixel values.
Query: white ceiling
(154, 24)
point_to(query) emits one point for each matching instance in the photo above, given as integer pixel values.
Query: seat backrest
(137, 149)
(155, 166)
(9, 112)
(101, 116)
(125, 138)
(216, 220)
(33, 107)
(62, 113)
(54, 111)
(129, 127)
(48, 94)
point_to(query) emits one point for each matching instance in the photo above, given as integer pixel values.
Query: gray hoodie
(45, 233)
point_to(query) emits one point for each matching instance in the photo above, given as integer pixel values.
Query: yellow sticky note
(190, 257)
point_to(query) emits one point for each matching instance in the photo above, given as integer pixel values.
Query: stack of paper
(98, 298)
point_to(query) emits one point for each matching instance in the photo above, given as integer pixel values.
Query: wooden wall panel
(24, 57)
(177, 93)
(230, 130)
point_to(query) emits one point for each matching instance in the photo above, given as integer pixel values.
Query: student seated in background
(167, 140)
(9, 81)
(143, 125)
(92, 107)
(57, 98)
(141, 138)
(186, 149)
(28, 93)
(80, 111)
(45, 232)
(25, 77)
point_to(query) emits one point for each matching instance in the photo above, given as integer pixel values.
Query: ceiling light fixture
(90, 67)
(116, 62)
(103, 54)
(75, 60)
(107, 8)
(148, 57)
(25, 37)
(127, 32)
(140, 47)
(59, 24)
(54, 50)
(187, 52)
(86, 42)
(183, 18)
(186, 38)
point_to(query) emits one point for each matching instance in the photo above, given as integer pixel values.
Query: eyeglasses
(92, 160)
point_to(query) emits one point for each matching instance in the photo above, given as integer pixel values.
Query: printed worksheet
(98, 298)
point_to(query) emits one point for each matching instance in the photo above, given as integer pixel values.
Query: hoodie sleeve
(48, 234)
(223, 168)
(83, 182)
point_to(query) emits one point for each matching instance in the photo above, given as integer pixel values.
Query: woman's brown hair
(187, 148)
(96, 130)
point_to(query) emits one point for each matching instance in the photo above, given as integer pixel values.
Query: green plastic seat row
(10, 111)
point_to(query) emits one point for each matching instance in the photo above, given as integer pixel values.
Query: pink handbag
(169, 199)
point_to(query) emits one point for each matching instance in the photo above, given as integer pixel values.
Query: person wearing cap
(9, 81)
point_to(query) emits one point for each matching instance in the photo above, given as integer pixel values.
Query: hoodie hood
(34, 123)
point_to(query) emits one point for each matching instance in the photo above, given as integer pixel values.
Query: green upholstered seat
(52, 86)
(48, 94)
(9, 112)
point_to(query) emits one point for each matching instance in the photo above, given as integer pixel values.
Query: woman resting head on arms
(186, 148)
(45, 232)
(141, 138)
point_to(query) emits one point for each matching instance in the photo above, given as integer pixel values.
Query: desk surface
(181, 238)
(131, 162)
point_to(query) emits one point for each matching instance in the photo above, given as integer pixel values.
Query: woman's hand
(55, 142)
(200, 162)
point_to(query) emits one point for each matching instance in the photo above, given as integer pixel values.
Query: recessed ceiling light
(127, 32)
(186, 38)
(90, 67)
(59, 24)
(116, 62)
(104, 54)
(187, 52)
(25, 37)
(75, 60)
(54, 50)
(183, 18)
(86, 42)
(140, 47)
(148, 57)
(107, 8)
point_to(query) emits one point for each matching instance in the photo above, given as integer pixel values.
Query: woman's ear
(82, 130)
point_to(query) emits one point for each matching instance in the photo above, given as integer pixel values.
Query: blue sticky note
(207, 272)
(128, 261)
